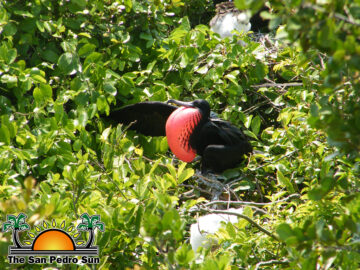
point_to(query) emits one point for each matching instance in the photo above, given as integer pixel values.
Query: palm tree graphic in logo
(90, 224)
(16, 224)
(53, 241)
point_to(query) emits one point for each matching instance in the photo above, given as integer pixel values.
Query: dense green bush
(64, 65)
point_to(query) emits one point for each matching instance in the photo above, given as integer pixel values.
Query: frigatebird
(190, 131)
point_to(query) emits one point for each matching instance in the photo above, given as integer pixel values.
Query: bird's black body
(221, 145)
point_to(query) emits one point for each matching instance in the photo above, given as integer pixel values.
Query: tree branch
(254, 203)
(279, 85)
(271, 262)
(272, 162)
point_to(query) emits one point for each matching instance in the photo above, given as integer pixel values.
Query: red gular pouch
(179, 127)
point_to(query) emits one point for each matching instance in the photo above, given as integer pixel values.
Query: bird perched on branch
(190, 131)
(229, 18)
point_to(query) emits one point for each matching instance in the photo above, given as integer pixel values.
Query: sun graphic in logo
(53, 238)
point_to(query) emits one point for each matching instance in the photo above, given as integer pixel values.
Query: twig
(345, 19)
(216, 182)
(198, 188)
(255, 107)
(188, 194)
(217, 187)
(259, 189)
(279, 85)
(336, 15)
(272, 162)
(270, 81)
(101, 167)
(253, 203)
(231, 191)
(271, 262)
(163, 252)
(236, 180)
(129, 164)
(349, 15)
(150, 160)
(321, 62)
(241, 216)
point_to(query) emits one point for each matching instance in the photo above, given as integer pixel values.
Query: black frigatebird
(190, 131)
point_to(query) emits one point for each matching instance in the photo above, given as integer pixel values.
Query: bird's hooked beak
(180, 103)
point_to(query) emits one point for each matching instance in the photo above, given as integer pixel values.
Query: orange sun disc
(53, 239)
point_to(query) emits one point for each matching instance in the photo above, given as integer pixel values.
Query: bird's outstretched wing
(148, 118)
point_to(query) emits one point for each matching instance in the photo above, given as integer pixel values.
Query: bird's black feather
(148, 118)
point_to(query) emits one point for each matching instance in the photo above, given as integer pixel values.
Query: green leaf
(230, 229)
(4, 134)
(185, 174)
(171, 170)
(23, 13)
(169, 178)
(105, 134)
(83, 118)
(242, 4)
(46, 91)
(40, 26)
(59, 111)
(38, 96)
(320, 191)
(138, 219)
(9, 29)
(38, 78)
(128, 5)
(314, 110)
(102, 104)
(50, 56)
(110, 89)
(255, 124)
(284, 231)
(86, 50)
(248, 121)
(68, 63)
(77, 145)
(284, 181)
(9, 79)
(184, 255)
(11, 56)
(93, 57)
(202, 70)
(80, 3)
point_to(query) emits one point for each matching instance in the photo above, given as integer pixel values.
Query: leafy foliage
(65, 64)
